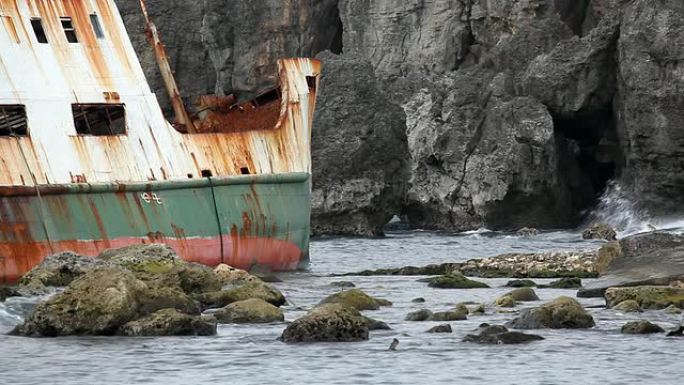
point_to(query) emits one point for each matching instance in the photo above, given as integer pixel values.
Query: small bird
(394, 344)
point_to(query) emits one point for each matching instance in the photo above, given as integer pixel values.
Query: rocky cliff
(456, 113)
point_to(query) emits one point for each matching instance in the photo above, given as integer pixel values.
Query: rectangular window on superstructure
(13, 121)
(97, 27)
(99, 119)
(69, 30)
(38, 29)
(11, 28)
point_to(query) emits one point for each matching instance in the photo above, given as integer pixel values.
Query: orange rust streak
(109, 23)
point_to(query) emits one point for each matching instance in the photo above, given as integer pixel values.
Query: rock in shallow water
(521, 283)
(524, 294)
(59, 269)
(345, 284)
(253, 310)
(561, 313)
(628, 306)
(419, 315)
(564, 283)
(328, 323)
(259, 290)
(599, 231)
(554, 264)
(641, 327)
(455, 281)
(648, 297)
(445, 328)
(169, 322)
(505, 301)
(357, 299)
(500, 335)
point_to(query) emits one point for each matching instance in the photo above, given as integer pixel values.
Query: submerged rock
(641, 327)
(258, 290)
(628, 306)
(561, 313)
(253, 310)
(59, 270)
(556, 264)
(500, 335)
(655, 258)
(418, 300)
(648, 297)
(419, 315)
(441, 269)
(169, 322)
(332, 322)
(564, 283)
(445, 328)
(345, 284)
(374, 324)
(599, 231)
(357, 299)
(455, 281)
(520, 283)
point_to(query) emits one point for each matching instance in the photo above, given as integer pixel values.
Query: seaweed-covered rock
(564, 283)
(505, 301)
(672, 309)
(253, 310)
(158, 297)
(374, 324)
(500, 335)
(450, 315)
(520, 283)
(444, 328)
(169, 322)
(628, 306)
(258, 290)
(357, 299)
(59, 270)
(331, 322)
(641, 327)
(433, 269)
(418, 300)
(419, 315)
(344, 284)
(599, 231)
(98, 303)
(228, 275)
(561, 313)
(648, 297)
(455, 281)
(524, 294)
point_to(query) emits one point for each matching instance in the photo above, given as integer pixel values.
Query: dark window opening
(13, 121)
(99, 119)
(97, 27)
(207, 174)
(267, 97)
(244, 171)
(311, 82)
(69, 30)
(190, 176)
(38, 29)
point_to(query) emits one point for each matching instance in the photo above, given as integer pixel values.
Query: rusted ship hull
(243, 221)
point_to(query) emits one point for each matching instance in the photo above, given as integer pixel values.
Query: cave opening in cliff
(590, 155)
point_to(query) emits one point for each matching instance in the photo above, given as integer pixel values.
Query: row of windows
(89, 119)
(67, 26)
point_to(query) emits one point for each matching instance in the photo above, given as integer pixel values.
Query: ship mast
(182, 116)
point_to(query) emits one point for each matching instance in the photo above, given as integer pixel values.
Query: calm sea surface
(252, 355)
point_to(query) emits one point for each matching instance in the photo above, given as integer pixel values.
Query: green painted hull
(241, 220)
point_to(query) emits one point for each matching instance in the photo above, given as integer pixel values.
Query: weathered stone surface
(505, 301)
(455, 281)
(328, 323)
(228, 275)
(521, 283)
(419, 315)
(253, 310)
(641, 327)
(672, 309)
(449, 315)
(648, 297)
(500, 335)
(655, 258)
(169, 322)
(564, 283)
(524, 294)
(599, 231)
(445, 328)
(357, 299)
(561, 313)
(541, 265)
(628, 306)
(352, 195)
(258, 290)
(59, 270)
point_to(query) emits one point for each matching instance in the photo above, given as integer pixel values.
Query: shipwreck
(88, 161)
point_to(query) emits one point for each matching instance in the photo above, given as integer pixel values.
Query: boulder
(550, 264)
(158, 297)
(628, 306)
(357, 299)
(648, 297)
(253, 310)
(641, 327)
(564, 283)
(97, 303)
(433, 269)
(524, 294)
(445, 328)
(455, 281)
(655, 258)
(419, 315)
(505, 301)
(418, 300)
(500, 335)
(169, 322)
(599, 231)
(374, 324)
(672, 309)
(258, 290)
(59, 270)
(228, 275)
(527, 232)
(344, 284)
(449, 315)
(478, 310)
(606, 254)
(331, 322)
(520, 283)
(561, 313)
